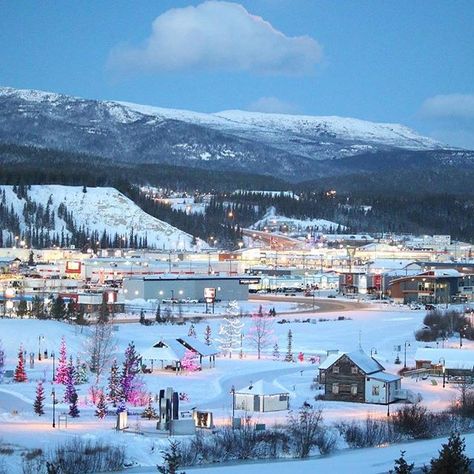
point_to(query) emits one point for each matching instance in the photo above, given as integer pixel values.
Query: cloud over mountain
(220, 36)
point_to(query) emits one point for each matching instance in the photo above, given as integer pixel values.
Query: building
(453, 362)
(188, 287)
(357, 377)
(262, 396)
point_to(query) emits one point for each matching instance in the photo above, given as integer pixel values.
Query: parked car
(331, 296)
(430, 307)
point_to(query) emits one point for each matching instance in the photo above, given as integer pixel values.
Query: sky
(404, 61)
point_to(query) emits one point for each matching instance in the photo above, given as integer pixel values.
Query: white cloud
(449, 106)
(273, 105)
(217, 36)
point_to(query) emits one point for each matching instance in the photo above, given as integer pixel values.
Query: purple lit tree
(39, 400)
(131, 367)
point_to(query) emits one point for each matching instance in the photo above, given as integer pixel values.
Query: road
(321, 305)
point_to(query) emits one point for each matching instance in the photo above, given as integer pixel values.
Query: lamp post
(444, 370)
(53, 396)
(460, 335)
(53, 355)
(388, 398)
(39, 346)
(407, 344)
(232, 391)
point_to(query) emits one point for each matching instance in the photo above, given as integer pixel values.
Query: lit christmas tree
(289, 351)
(230, 333)
(2, 360)
(81, 376)
(20, 374)
(62, 370)
(114, 387)
(131, 368)
(149, 412)
(189, 362)
(70, 379)
(192, 331)
(101, 407)
(39, 400)
(207, 335)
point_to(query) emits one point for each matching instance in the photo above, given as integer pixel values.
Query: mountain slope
(289, 147)
(98, 209)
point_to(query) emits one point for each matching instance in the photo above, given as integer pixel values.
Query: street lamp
(444, 370)
(460, 335)
(39, 346)
(232, 391)
(388, 398)
(407, 344)
(53, 396)
(54, 360)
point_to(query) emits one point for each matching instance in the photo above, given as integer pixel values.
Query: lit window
(335, 388)
(354, 370)
(354, 389)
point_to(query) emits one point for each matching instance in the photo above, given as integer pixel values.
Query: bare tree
(304, 428)
(260, 334)
(100, 347)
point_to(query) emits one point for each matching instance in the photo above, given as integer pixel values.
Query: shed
(262, 396)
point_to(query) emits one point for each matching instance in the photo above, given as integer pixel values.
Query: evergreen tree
(103, 313)
(22, 309)
(81, 376)
(101, 407)
(37, 308)
(69, 382)
(131, 367)
(58, 308)
(114, 390)
(401, 466)
(289, 357)
(207, 335)
(192, 331)
(20, 374)
(62, 370)
(451, 459)
(39, 400)
(158, 314)
(276, 352)
(31, 259)
(149, 412)
(171, 460)
(73, 409)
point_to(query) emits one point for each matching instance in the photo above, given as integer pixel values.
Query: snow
(261, 387)
(101, 209)
(378, 327)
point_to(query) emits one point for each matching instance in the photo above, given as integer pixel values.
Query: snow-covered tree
(276, 352)
(207, 335)
(192, 331)
(229, 335)
(62, 370)
(149, 412)
(20, 373)
(260, 334)
(289, 357)
(81, 372)
(114, 387)
(101, 407)
(39, 400)
(189, 362)
(232, 309)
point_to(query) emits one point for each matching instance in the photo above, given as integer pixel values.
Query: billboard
(73, 267)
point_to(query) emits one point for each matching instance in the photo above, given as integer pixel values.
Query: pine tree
(451, 459)
(171, 460)
(192, 331)
(276, 352)
(73, 409)
(58, 308)
(22, 309)
(149, 412)
(80, 372)
(131, 367)
(39, 400)
(114, 391)
(69, 382)
(62, 371)
(20, 374)
(401, 466)
(189, 361)
(289, 352)
(207, 335)
(101, 407)
(158, 318)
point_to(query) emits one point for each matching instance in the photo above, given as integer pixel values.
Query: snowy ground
(378, 328)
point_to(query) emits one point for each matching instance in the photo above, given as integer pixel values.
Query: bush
(426, 334)
(369, 433)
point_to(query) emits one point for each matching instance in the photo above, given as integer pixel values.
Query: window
(354, 370)
(375, 390)
(335, 388)
(354, 389)
(283, 397)
(335, 369)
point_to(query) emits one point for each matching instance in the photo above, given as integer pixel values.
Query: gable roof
(198, 346)
(365, 363)
(261, 387)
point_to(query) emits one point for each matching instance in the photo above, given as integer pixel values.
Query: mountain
(48, 208)
(289, 147)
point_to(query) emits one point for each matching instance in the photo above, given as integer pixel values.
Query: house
(357, 377)
(455, 362)
(170, 352)
(262, 396)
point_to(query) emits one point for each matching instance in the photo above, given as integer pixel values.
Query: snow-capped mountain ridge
(286, 146)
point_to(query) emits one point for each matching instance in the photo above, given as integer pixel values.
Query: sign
(73, 267)
(378, 282)
(110, 297)
(122, 420)
(210, 293)
(349, 278)
(249, 281)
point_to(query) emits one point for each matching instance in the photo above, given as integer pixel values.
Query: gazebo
(262, 396)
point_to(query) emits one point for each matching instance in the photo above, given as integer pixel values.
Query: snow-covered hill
(287, 146)
(97, 209)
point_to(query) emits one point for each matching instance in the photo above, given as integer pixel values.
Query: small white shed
(262, 396)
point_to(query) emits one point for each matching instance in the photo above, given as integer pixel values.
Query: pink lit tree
(62, 370)
(20, 373)
(189, 362)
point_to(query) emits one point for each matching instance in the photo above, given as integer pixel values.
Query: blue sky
(407, 61)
